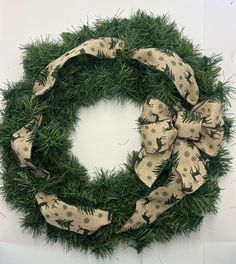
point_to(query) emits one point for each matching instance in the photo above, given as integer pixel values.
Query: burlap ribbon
(69, 217)
(22, 140)
(173, 66)
(165, 132)
(104, 47)
(58, 213)
(181, 133)
(21, 143)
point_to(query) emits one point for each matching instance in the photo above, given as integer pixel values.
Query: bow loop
(212, 132)
(183, 134)
(155, 110)
(211, 113)
(189, 165)
(158, 137)
(157, 127)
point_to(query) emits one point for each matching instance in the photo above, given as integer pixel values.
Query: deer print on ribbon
(22, 140)
(195, 173)
(69, 217)
(188, 76)
(168, 62)
(146, 217)
(185, 135)
(170, 126)
(159, 142)
(164, 134)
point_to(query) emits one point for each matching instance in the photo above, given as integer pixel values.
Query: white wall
(209, 23)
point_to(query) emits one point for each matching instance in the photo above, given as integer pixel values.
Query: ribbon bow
(166, 131)
(177, 132)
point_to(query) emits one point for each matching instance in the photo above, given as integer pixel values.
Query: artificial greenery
(83, 81)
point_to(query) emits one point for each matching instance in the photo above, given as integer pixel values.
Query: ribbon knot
(189, 124)
(168, 131)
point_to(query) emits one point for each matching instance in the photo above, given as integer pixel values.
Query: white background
(211, 23)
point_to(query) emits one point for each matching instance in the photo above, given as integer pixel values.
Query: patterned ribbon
(58, 213)
(165, 132)
(21, 143)
(181, 133)
(69, 217)
(173, 66)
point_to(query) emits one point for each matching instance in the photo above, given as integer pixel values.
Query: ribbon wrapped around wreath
(182, 133)
(165, 132)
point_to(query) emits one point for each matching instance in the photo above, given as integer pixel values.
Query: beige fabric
(200, 128)
(165, 132)
(173, 66)
(21, 143)
(104, 47)
(69, 217)
(160, 125)
(158, 201)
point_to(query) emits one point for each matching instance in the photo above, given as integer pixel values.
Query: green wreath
(43, 122)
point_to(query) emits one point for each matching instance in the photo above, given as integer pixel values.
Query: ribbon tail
(156, 203)
(190, 165)
(212, 132)
(158, 135)
(186, 177)
(148, 166)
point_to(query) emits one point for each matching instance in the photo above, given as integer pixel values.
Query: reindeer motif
(65, 224)
(168, 72)
(170, 126)
(148, 102)
(147, 200)
(206, 120)
(200, 158)
(188, 76)
(201, 136)
(158, 120)
(195, 173)
(185, 96)
(29, 127)
(145, 217)
(187, 189)
(139, 159)
(55, 201)
(85, 231)
(173, 199)
(213, 133)
(113, 43)
(43, 204)
(13, 138)
(159, 142)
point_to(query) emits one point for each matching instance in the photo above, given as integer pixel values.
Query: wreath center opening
(105, 133)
